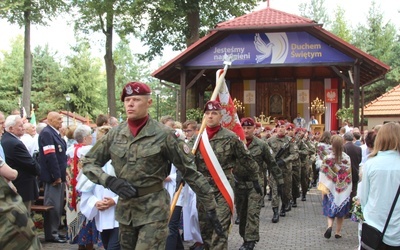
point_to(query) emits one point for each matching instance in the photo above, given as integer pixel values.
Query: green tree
(106, 16)
(340, 27)
(46, 82)
(84, 82)
(12, 68)
(181, 23)
(380, 40)
(24, 13)
(316, 11)
(129, 68)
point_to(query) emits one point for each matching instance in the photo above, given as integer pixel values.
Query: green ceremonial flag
(33, 118)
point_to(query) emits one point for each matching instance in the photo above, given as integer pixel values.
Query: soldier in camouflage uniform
(298, 165)
(282, 143)
(16, 226)
(141, 150)
(247, 197)
(233, 158)
(306, 170)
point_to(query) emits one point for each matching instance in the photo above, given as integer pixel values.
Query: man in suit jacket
(53, 160)
(355, 156)
(18, 158)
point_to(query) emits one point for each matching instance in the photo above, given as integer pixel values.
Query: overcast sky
(59, 34)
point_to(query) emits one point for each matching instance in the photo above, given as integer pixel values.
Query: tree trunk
(110, 67)
(193, 20)
(27, 80)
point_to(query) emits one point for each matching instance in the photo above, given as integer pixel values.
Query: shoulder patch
(186, 149)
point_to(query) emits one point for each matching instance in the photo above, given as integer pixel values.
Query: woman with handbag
(335, 182)
(381, 180)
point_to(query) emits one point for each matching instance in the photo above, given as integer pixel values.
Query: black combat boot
(237, 221)
(303, 198)
(248, 245)
(262, 204)
(275, 218)
(294, 203)
(283, 211)
(288, 207)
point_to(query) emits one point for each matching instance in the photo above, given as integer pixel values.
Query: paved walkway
(302, 228)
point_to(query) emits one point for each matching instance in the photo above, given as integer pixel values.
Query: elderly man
(18, 158)
(27, 137)
(53, 161)
(141, 150)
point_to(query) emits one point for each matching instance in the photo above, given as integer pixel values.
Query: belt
(142, 191)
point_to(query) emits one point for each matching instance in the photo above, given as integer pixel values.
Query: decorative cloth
(336, 177)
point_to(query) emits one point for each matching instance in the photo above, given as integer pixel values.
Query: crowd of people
(144, 184)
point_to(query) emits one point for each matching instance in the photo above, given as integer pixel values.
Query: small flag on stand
(33, 116)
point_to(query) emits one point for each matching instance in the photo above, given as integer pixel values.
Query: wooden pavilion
(282, 63)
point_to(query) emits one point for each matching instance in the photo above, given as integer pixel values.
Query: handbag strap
(391, 210)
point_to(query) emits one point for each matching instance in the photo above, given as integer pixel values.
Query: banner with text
(270, 48)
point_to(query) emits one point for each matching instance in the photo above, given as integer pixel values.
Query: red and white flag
(216, 170)
(230, 118)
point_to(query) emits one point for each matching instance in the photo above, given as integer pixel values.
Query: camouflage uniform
(247, 197)
(290, 154)
(300, 169)
(16, 226)
(306, 169)
(143, 161)
(232, 156)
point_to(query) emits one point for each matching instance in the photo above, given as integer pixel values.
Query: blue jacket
(52, 155)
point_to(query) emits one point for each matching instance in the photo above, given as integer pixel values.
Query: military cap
(290, 126)
(212, 105)
(247, 122)
(135, 88)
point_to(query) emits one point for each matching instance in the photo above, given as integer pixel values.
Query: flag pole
(214, 95)
(220, 81)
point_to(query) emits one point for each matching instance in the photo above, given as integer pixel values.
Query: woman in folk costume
(335, 183)
(80, 230)
(99, 203)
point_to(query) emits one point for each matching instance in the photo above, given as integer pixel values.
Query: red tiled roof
(269, 19)
(265, 17)
(387, 104)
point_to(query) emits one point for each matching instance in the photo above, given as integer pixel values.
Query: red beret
(258, 125)
(297, 130)
(135, 88)
(290, 126)
(247, 122)
(267, 128)
(212, 105)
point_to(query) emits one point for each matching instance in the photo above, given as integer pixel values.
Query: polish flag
(230, 118)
